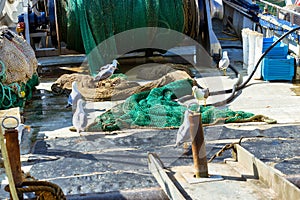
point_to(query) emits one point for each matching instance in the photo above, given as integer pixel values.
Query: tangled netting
(157, 108)
(16, 94)
(86, 24)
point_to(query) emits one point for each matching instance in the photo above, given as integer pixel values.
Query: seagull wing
(82, 121)
(199, 94)
(104, 67)
(224, 63)
(103, 74)
(183, 133)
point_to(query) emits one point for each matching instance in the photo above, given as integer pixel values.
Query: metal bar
(57, 29)
(279, 8)
(13, 150)
(166, 183)
(198, 145)
(8, 170)
(238, 8)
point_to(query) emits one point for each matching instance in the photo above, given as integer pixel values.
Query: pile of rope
(18, 65)
(44, 190)
(115, 88)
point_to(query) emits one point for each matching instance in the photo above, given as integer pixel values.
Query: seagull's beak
(27, 127)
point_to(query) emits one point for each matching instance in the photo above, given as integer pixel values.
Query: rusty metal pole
(13, 151)
(198, 145)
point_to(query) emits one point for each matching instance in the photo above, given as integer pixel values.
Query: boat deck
(99, 162)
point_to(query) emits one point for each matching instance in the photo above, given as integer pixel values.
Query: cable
(264, 54)
(238, 87)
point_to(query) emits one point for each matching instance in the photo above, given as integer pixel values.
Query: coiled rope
(41, 188)
(15, 94)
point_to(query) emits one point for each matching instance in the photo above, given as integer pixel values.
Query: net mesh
(83, 25)
(156, 108)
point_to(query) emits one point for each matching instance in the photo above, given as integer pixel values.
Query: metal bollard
(198, 145)
(13, 151)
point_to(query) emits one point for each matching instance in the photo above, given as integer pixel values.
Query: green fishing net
(16, 94)
(157, 108)
(84, 24)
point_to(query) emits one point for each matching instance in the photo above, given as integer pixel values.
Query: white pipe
(251, 38)
(258, 53)
(245, 33)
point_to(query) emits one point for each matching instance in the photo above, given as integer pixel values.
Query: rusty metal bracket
(225, 148)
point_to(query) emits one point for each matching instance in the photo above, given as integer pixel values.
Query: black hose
(236, 88)
(264, 54)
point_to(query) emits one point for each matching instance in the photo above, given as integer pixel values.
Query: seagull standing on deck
(200, 94)
(20, 129)
(106, 71)
(79, 117)
(74, 96)
(224, 62)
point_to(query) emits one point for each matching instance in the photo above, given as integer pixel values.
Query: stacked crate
(277, 64)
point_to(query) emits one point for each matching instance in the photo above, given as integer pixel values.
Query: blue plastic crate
(278, 69)
(279, 51)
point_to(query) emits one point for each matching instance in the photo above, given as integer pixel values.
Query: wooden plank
(158, 171)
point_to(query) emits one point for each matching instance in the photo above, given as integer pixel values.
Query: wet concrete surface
(108, 162)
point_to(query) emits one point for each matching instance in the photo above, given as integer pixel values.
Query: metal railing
(278, 9)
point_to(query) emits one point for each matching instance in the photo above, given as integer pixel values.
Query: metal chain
(225, 148)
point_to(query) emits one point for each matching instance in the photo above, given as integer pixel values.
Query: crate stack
(277, 64)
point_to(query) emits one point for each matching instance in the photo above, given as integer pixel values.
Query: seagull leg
(204, 102)
(224, 71)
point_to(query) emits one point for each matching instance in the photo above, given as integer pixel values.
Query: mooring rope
(40, 188)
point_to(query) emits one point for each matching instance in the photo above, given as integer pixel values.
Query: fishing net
(18, 76)
(16, 94)
(117, 87)
(84, 25)
(18, 58)
(156, 108)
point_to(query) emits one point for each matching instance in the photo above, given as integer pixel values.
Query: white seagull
(224, 62)
(183, 133)
(74, 96)
(200, 94)
(79, 117)
(20, 130)
(106, 71)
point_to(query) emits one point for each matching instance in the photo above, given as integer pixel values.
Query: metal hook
(10, 117)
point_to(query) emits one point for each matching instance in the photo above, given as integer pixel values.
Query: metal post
(198, 145)
(13, 152)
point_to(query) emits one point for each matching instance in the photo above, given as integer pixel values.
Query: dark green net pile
(157, 109)
(16, 94)
(85, 24)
